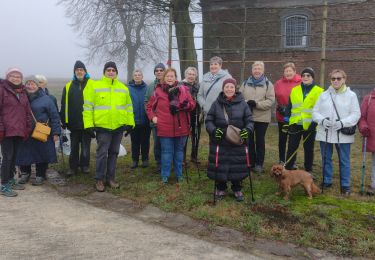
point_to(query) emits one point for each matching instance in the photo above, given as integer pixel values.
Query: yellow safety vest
(301, 112)
(107, 104)
(67, 87)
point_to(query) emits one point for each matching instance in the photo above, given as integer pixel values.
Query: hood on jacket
(297, 79)
(236, 99)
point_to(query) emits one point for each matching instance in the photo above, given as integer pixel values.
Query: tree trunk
(131, 63)
(185, 35)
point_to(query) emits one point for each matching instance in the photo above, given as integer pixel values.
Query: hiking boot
(15, 185)
(38, 181)
(85, 170)
(7, 190)
(180, 179)
(326, 185)
(99, 186)
(294, 167)
(219, 194)
(71, 172)
(24, 178)
(134, 165)
(258, 169)
(164, 180)
(113, 184)
(145, 164)
(345, 192)
(239, 196)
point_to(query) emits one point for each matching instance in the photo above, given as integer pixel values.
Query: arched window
(295, 31)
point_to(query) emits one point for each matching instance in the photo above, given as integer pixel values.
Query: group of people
(172, 111)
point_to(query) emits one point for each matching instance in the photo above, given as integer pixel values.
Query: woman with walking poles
(336, 112)
(367, 129)
(227, 161)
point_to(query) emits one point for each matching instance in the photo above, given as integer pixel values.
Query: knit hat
(110, 64)
(11, 71)
(32, 78)
(230, 80)
(159, 66)
(79, 65)
(308, 70)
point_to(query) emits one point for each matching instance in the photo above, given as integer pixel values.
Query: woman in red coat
(366, 126)
(168, 108)
(283, 87)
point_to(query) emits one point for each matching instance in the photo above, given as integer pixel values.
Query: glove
(219, 133)
(173, 92)
(64, 139)
(281, 109)
(252, 103)
(326, 123)
(184, 104)
(2, 135)
(286, 119)
(312, 127)
(244, 133)
(128, 130)
(337, 125)
(173, 109)
(91, 132)
(285, 128)
(366, 132)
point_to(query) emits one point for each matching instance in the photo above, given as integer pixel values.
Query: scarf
(212, 77)
(306, 89)
(256, 82)
(341, 89)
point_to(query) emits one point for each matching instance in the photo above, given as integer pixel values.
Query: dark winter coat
(15, 116)
(52, 97)
(33, 151)
(368, 120)
(232, 158)
(169, 125)
(137, 94)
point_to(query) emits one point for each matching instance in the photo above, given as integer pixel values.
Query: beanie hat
(79, 65)
(110, 64)
(308, 70)
(159, 66)
(230, 80)
(13, 70)
(32, 78)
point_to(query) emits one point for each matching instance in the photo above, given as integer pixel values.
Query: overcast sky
(36, 37)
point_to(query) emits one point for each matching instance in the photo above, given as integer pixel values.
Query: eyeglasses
(159, 70)
(110, 70)
(306, 75)
(338, 79)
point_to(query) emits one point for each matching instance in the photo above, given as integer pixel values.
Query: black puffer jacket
(232, 158)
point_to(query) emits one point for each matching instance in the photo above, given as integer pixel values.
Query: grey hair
(137, 70)
(193, 69)
(41, 78)
(258, 63)
(216, 59)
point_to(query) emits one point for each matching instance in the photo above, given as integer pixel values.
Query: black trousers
(236, 186)
(79, 138)
(283, 138)
(9, 148)
(195, 130)
(41, 169)
(295, 134)
(140, 138)
(257, 144)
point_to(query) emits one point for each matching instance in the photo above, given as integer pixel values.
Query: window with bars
(296, 30)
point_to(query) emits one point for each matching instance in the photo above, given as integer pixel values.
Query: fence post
(324, 43)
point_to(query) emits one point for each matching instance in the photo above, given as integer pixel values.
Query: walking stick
(62, 153)
(216, 168)
(363, 166)
(248, 167)
(324, 159)
(339, 155)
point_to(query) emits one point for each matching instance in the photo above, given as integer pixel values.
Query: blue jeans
(344, 151)
(172, 149)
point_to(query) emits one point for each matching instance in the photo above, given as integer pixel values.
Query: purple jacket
(15, 116)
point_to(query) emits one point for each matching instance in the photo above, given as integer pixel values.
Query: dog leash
(294, 153)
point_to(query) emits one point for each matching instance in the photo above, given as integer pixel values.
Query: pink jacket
(368, 119)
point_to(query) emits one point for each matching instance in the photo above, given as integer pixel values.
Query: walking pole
(339, 155)
(248, 167)
(216, 168)
(324, 159)
(363, 166)
(62, 153)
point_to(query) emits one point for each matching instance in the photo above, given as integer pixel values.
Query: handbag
(349, 130)
(41, 130)
(232, 134)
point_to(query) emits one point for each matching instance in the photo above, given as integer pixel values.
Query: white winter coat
(348, 108)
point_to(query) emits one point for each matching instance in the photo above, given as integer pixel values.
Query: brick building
(291, 30)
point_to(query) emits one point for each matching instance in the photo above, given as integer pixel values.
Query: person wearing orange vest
(298, 115)
(71, 118)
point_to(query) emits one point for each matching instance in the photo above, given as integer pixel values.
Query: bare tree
(125, 31)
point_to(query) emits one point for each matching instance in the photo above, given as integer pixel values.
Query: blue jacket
(33, 151)
(137, 94)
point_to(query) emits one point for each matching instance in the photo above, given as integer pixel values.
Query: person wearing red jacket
(283, 87)
(366, 127)
(168, 108)
(15, 126)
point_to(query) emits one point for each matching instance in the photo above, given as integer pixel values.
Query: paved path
(41, 224)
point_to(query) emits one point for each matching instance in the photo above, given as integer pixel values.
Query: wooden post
(169, 63)
(324, 43)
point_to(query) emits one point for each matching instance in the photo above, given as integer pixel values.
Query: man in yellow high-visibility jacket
(299, 116)
(108, 112)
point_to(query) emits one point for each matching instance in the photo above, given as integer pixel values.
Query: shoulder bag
(350, 130)
(232, 134)
(41, 130)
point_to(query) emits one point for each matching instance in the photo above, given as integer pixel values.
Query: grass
(344, 226)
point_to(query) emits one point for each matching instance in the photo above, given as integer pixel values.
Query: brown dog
(288, 179)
